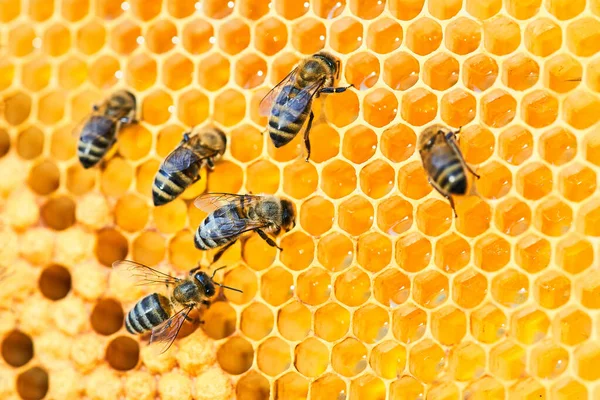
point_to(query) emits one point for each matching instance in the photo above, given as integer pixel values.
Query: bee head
(428, 137)
(331, 61)
(206, 283)
(288, 220)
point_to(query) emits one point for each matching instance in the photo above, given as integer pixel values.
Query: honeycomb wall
(379, 293)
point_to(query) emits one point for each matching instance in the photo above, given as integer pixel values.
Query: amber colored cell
(35, 74)
(103, 72)
(501, 35)
(585, 357)
(498, 108)
(401, 71)
(140, 71)
(131, 213)
(246, 144)
(198, 36)
(349, 357)
(527, 389)
(413, 252)
(426, 360)
(359, 145)
(341, 109)
(256, 321)
(182, 252)
(515, 145)
(308, 36)
(380, 107)
(229, 107)
(507, 360)
(367, 386)
(7, 74)
(134, 142)
(273, 356)
(253, 9)
(593, 73)
(394, 215)
(335, 251)
(583, 36)
(276, 286)
(487, 387)
(462, 35)
(235, 356)
(9, 10)
(553, 217)
(469, 288)
(16, 108)
(388, 359)
(271, 36)
(51, 107)
(44, 177)
(370, 323)
(58, 213)
(30, 143)
(488, 323)
(424, 36)
(592, 147)
(430, 289)
(539, 108)
(311, 357)
(374, 251)
(574, 254)
(294, 321)
(419, 106)
(496, 182)
(452, 253)
(406, 388)
(543, 37)
(338, 179)
(257, 253)
(313, 287)
(479, 72)
(332, 321)
(282, 65)
(587, 218)
(362, 70)
(193, 107)
(327, 387)
(21, 40)
(434, 217)
(181, 8)
(352, 288)
(250, 71)
(4, 143)
(117, 177)
(520, 72)
(346, 35)
(448, 325)
(572, 326)
(483, 9)
(111, 246)
(377, 179)
(300, 179)
(391, 288)
(562, 73)
(145, 174)
(145, 10)
(156, 107)
(529, 325)
(552, 290)
(171, 217)
(398, 142)
(568, 388)
(466, 361)
(252, 386)
(244, 279)
(124, 37)
(161, 36)
(534, 181)
(148, 248)
(458, 107)
(384, 35)
(316, 215)
(510, 288)
(355, 215)
(40, 10)
(217, 9)
(581, 109)
(440, 72)
(57, 40)
(473, 216)
(262, 177)
(177, 71)
(409, 323)
(587, 289)
(234, 36)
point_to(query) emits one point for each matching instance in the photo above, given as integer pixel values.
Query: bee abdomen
(167, 186)
(452, 178)
(91, 152)
(148, 313)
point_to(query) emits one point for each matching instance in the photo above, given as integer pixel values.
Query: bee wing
(211, 201)
(143, 274)
(181, 159)
(166, 332)
(223, 228)
(296, 105)
(266, 103)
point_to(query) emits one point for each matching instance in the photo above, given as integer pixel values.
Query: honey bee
(163, 315)
(182, 166)
(99, 132)
(231, 215)
(443, 162)
(289, 103)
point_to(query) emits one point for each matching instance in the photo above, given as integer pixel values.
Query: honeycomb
(379, 293)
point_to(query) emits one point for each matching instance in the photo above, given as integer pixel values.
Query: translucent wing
(297, 104)
(143, 274)
(211, 201)
(266, 103)
(166, 332)
(181, 159)
(223, 228)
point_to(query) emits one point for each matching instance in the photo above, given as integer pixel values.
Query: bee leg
(451, 139)
(447, 196)
(221, 251)
(306, 138)
(267, 239)
(327, 90)
(210, 164)
(206, 303)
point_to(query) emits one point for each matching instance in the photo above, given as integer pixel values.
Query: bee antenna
(229, 287)
(215, 271)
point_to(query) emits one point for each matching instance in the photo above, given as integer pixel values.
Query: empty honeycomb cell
(384, 35)
(576, 182)
(335, 251)
(156, 107)
(44, 178)
(111, 246)
(572, 326)
(311, 358)
(276, 286)
(353, 287)
(316, 215)
(123, 353)
(467, 361)
(90, 38)
(469, 288)
(299, 251)
(507, 360)
(426, 360)
(349, 357)
(55, 282)
(413, 252)
(498, 108)
(140, 71)
(346, 35)
(587, 218)
(582, 36)
(338, 178)
(434, 217)
(553, 217)
(585, 357)
(552, 290)
(308, 36)
(510, 288)
(256, 321)
(515, 144)
(458, 107)
(391, 288)
(332, 321)
(271, 36)
(80, 180)
(562, 73)
(262, 177)
(193, 107)
(430, 289)
(32, 384)
(529, 325)
(520, 72)
(235, 356)
(581, 109)
(355, 215)
(401, 71)
(148, 248)
(488, 323)
(198, 36)
(131, 213)
(244, 279)
(539, 108)
(56, 40)
(479, 72)
(419, 106)
(424, 36)
(250, 71)
(440, 72)
(36, 73)
(452, 253)
(398, 142)
(534, 180)
(448, 325)
(362, 70)
(294, 321)
(229, 107)
(219, 320)
(17, 348)
(568, 388)
(58, 213)
(107, 316)
(4, 143)
(377, 179)
(381, 106)
(177, 71)
(370, 323)
(161, 36)
(574, 254)
(313, 287)
(257, 253)
(16, 108)
(496, 182)
(30, 143)
(394, 215)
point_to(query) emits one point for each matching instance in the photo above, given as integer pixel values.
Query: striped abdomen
(148, 313)
(97, 137)
(448, 172)
(287, 118)
(168, 185)
(209, 234)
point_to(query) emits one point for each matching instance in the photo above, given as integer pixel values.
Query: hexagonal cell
(271, 36)
(377, 179)
(193, 107)
(474, 215)
(198, 36)
(311, 357)
(299, 251)
(501, 35)
(479, 72)
(528, 389)
(7, 73)
(346, 35)
(507, 360)
(585, 357)
(469, 288)
(370, 323)
(488, 323)
(51, 107)
(234, 36)
(362, 70)
(156, 107)
(391, 288)
(515, 145)
(398, 142)
(229, 107)
(246, 143)
(170, 218)
(510, 288)
(434, 217)
(440, 72)
(181, 8)
(568, 388)
(254, 385)
(539, 108)
(300, 179)
(217, 9)
(316, 215)
(466, 361)
(405, 388)
(294, 321)
(242, 278)
(574, 254)
(552, 290)
(430, 289)
(145, 10)
(498, 108)
(213, 72)
(256, 321)
(341, 109)
(497, 180)
(409, 323)
(562, 73)
(401, 71)
(124, 37)
(542, 37)
(581, 109)
(388, 359)
(483, 9)
(426, 360)
(576, 182)
(338, 179)
(335, 252)
(44, 177)
(36, 73)
(572, 326)
(161, 36)
(491, 253)
(273, 356)
(394, 215)
(367, 385)
(520, 72)
(462, 35)
(452, 253)
(104, 71)
(583, 36)
(587, 288)
(355, 215)
(564, 10)
(177, 71)
(116, 177)
(419, 106)
(448, 325)
(257, 253)
(413, 252)
(349, 357)
(276, 286)
(30, 143)
(553, 217)
(57, 40)
(262, 177)
(592, 147)
(424, 36)
(313, 287)
(593, 74)
(529, 325)
(458, 108)
(21, 39)
(149, 248)
(487, 387)
(521, 10)
(352, 287)
(384, 35)
(140, 72)
(328, 386)
(380, 107)
(40, 10)
(534, 181)
(131, 213)
(308, 36)
(332, 321)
